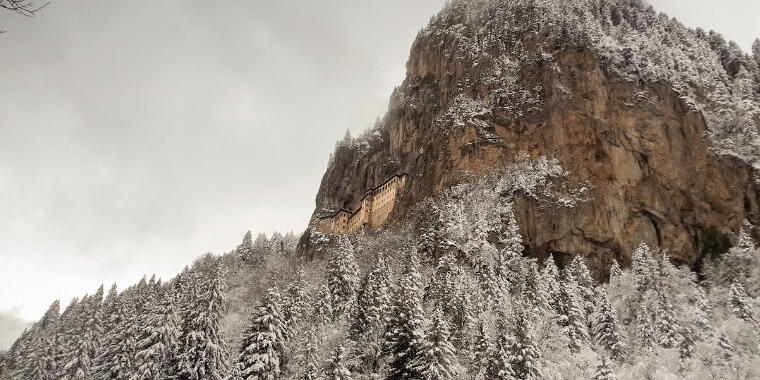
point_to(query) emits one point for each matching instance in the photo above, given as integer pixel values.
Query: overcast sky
(135, 136)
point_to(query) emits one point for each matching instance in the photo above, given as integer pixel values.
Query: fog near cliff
(136, 136)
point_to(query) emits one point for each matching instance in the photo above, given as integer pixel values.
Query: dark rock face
(640, 147)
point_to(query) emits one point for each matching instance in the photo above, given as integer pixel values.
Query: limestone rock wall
(640, 147)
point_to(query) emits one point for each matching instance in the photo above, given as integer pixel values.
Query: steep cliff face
(489, 81)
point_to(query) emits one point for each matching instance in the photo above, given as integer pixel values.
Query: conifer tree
(645, 325)
(605, 327)
(262, 350)
(158, 340)
(530, 291)
(462, 313)
(702, 311)
(499, 365)
(336, 367)
(86, 331)
(342, 276)
(524, 354)
(726, 346)
(51, 316)
(323, 312)
(489, 285)
(203, 350)
(438, 360)
(307, 357)
(584, 283)
(642, 268)
(443, 284)
(667, 335)
(404, 332)
(373, 301)
(572, 314)
(510, 238)
(115, 359)
(482, 348)
(43, 364)
(245, 249)
(507, 272)
(297, 300)
(686, 346)
(603, 370)
(549, 284)
(615, 273)
(368, 319)
(739, 302)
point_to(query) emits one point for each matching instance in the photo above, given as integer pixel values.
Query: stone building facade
(373, 209)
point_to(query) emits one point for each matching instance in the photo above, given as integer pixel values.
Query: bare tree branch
(22, 7)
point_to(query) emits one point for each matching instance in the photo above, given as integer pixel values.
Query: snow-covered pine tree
(585, 283)
(245, 249)
(508, 274)
(80, 365)
(442, 286)
(404, 333)
(336, 368)
(603, 370)
(482, 348)
(96, 316)
(686, 346)
(510, 238)
(297, 300)
(19, 356)
(726, 347)
(524, 356)
(51, 317)
(323, 312)
(86, 332)
(549, 284)
(277, 243)
(115, 359)
(373, 300)
(739, 301)
(605, 327)
(489, 285)
(530, 291)
(615, 273)
(368, 320)
(438, 360)
(462, 316)
(203, 352)
(735, 264)
(702, 311)
(667, 334)
(643, 269)
(499, 362)
(261, 247)
(43, 364)
(572, 313)
(262, 349)
(307, 357)
(342, 276)
(158, 339)
(645, 329)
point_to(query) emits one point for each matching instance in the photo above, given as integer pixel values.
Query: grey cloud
(11, 326)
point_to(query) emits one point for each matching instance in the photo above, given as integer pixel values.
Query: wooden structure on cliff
(374, 208)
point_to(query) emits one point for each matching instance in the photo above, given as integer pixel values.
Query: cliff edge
(658, 120)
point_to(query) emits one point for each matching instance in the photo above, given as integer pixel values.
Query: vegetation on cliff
(450, 291)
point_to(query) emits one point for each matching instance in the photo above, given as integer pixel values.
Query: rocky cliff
(658, 119)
